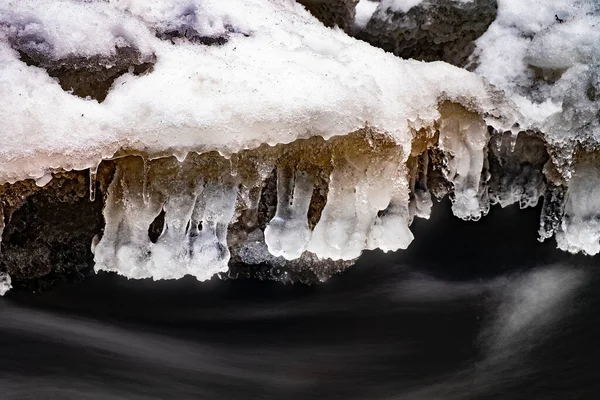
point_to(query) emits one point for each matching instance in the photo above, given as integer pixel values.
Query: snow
(364, 11)
(399, 5)
(540, 53)
(545, 56)
(277, 75)
(290, 78)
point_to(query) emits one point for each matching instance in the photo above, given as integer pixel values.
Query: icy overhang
(226, 76)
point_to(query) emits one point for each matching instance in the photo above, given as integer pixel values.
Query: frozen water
(288, 234)
(5, 283)
(580, 228)
(464, 137)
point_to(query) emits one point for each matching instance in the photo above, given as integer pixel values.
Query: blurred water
(471, 311)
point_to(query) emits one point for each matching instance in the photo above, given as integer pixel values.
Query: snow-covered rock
(248, 131)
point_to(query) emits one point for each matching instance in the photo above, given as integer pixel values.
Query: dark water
(470, 311)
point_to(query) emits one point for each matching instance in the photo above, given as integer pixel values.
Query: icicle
(180, 155)
(514, 134)
(5, 281)
(288, 234)
(359, 187)
(233, 164)
(464, 136)
(390, 231)
(171, 252)
(552, 211)
(580, 226)
(93, 174)
(2, 222)
(44, 180)
(420, 202)
(145, 178)
(210, 219)
(125, 246)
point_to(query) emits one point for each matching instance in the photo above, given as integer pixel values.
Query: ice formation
(288, 233)
(247, 131)
(464, 136)
(5, 283)
(580, 227)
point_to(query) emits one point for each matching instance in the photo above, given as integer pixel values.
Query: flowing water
(470, 311)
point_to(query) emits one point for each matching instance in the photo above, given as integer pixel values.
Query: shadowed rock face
(49, 229)
(90, 76)
(516, 169)
(333, 12)
(434, 30)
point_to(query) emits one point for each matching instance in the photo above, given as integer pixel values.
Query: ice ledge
(251, 133)
(276, 76)
(298, 211)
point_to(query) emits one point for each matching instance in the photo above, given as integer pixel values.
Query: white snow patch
(364, 11)
(532, 50)
(399, 5)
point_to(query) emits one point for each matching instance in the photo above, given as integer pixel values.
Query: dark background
(469, 311)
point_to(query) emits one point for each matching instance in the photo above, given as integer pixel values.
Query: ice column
(212, 215)
(420, 201)
(196, 216)
(360, 186)
(580, 227)
(463, 137)
(172, 252)
(288, 233)
(125, 246)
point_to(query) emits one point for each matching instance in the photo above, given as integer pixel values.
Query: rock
(434, 30)
(332, 12)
